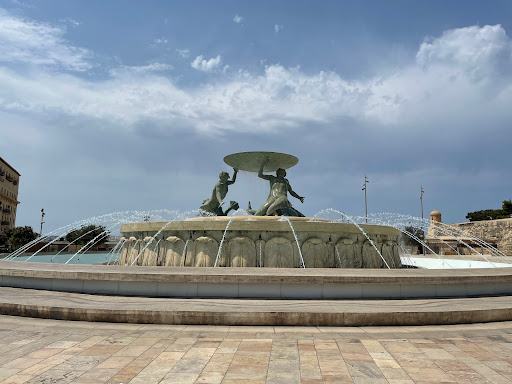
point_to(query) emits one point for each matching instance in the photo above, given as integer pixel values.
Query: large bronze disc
(251, 161)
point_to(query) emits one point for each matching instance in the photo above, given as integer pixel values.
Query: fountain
(285, 237)
(329, 269)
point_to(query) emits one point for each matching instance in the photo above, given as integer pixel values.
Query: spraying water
(222, 241)
(296, 240)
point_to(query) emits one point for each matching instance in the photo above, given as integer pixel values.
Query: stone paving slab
(73, 306)
(57, 351)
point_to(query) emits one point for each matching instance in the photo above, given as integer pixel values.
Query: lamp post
(42, 222)
(422, 191)
(366, 181)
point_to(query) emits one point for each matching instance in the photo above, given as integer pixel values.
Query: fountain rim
(259, 223)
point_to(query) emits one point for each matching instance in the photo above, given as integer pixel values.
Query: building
(9, 183)
(468, 238)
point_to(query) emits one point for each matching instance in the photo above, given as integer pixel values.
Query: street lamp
(366, 181)
(42, 222)
(422, 191)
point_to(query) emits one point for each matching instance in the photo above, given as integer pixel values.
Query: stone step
(84, 307)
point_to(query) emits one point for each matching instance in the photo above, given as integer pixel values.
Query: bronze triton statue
(214, 203)
(277, 202)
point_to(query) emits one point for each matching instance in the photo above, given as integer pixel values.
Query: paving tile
(38, 351)
(55, 376)
(96, 376)
(18, 379)
(180, 378)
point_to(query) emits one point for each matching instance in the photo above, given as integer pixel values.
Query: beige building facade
(9, 184)
(497, 233)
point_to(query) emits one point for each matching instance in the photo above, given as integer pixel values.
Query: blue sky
(120, 105)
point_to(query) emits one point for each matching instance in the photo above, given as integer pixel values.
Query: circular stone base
(259, 241)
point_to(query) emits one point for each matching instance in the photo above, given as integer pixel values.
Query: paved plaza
(56, 351)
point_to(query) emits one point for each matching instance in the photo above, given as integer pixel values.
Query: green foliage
(416, 231)
(507, 207)
(87, 233)
(3, 240)
(492, 214)
(19, 236)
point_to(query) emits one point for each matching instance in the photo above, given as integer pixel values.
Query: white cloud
(153, 67)
(23, 41)
(201, 64)
(160, 41)
(278, 28)
(70, 21)
(238, 19)
(478, 51)
(437, 91)
(185, 53)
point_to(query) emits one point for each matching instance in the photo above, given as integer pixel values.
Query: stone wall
(498, 231)
(259, 242)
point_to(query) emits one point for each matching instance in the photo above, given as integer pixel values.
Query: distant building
(9, 183)
(497, 233)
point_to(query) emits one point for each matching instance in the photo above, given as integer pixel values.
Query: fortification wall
(499, 231)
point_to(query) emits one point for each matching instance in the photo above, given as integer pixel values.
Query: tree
(87, 233)
(3, 240)
(507, 207)
(19, 236)
(415, 231)
(492, 214)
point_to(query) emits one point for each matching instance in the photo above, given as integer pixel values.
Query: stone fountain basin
(259, 241)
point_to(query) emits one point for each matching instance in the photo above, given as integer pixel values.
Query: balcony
(2, 172)
(9, 178)
(15, 182)
(7, 211)
(4, 222)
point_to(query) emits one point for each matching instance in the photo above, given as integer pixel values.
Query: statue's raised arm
(232, 181)
(260, 172)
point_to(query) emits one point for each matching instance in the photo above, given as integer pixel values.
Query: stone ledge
(69, 306)
(256, 224)
(256, 275)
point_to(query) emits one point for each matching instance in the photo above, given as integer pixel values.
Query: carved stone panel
(134, 248)
(348, 254)
(123, 251)
(371, 258)
(278, 253)
(205, 251)
(390, 253)
(314, 251)
(173, 251)
(242, 251)
(396, 256)
(150, 253)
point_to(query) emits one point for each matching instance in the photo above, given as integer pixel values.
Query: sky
(130, 105)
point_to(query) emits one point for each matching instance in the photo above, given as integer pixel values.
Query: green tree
(507, 207)
(19, 236)
(3, 240)
(415, 231)
(492, 214)
(87, 233)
